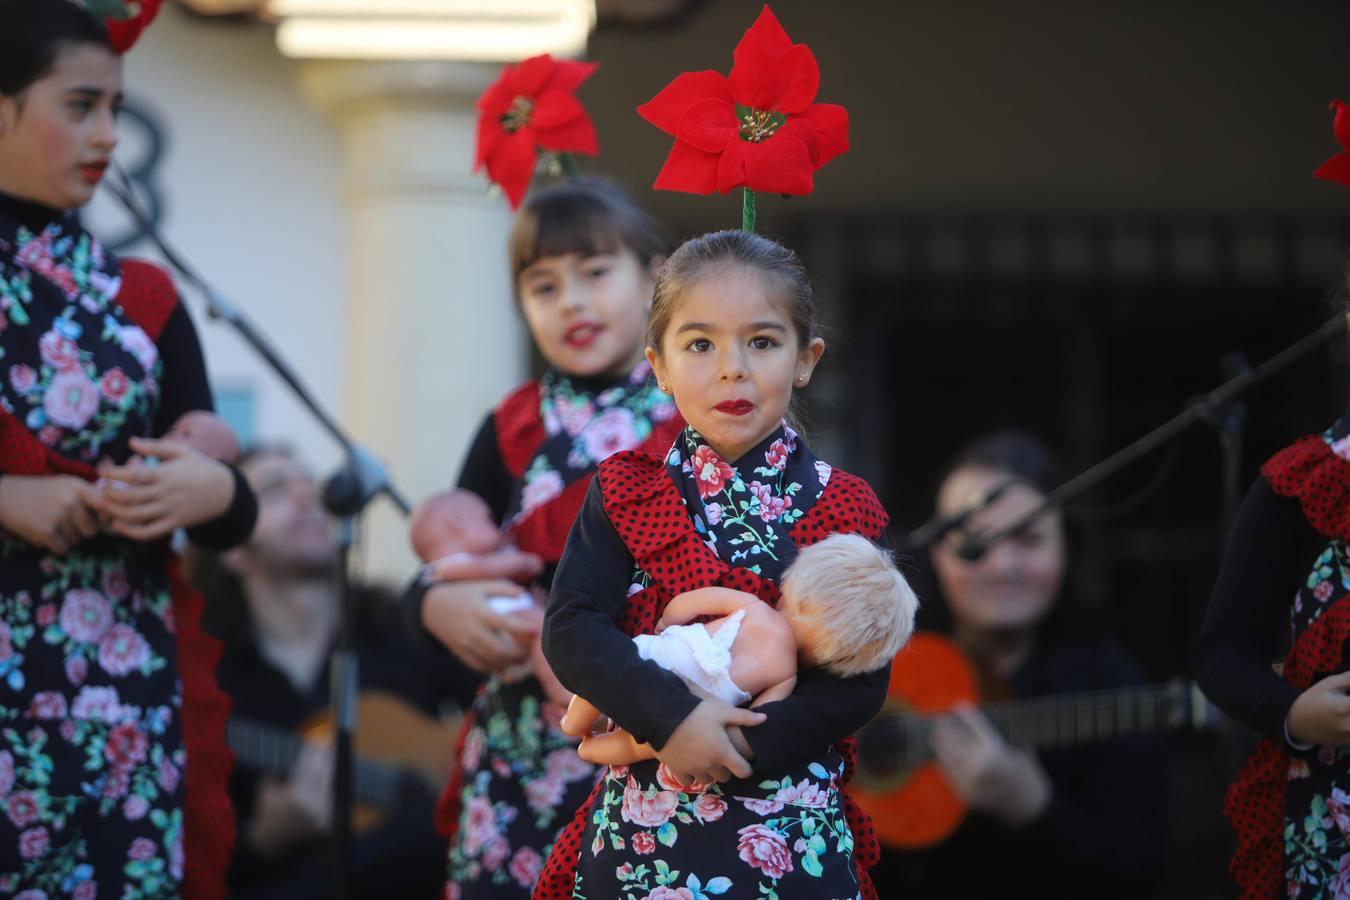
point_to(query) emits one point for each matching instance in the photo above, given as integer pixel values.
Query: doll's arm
(780, 691)
(580, 718)
(614, 748)
(709, 601)
(515, 565)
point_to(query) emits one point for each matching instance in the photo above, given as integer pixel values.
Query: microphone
(972, 548)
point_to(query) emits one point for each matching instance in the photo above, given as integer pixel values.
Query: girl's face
(1015, 584)
(731, 357)
(587, 313)
(58, 135)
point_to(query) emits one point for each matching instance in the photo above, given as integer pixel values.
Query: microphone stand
(1229, 420)
(936, 528)
(359, 480)
(975, 546)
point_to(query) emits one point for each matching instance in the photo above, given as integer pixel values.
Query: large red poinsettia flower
(532, 107)
(1337, 168)
(760, 129)
(126, 19)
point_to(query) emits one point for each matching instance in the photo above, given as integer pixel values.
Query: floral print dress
(1292, 810)
(92, 755)
(789, 834)
(520, 777)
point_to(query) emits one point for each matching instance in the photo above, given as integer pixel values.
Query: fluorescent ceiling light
(476, 30)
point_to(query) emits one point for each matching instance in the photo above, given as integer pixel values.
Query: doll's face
(587, 313)
(455, 522)
(731, 357)
(1015, 584)
(57, 136)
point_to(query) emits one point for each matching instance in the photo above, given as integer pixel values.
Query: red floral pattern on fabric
(1255, 803)
(1310, 471)
(148, 298)
(647, 512)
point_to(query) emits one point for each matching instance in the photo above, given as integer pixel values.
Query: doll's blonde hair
(849, 605)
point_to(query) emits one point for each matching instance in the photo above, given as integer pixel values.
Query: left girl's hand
(184, 488)
(989, 773)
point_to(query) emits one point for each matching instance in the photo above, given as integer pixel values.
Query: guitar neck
(1045, 722)
(275, 750)
(1097, 715)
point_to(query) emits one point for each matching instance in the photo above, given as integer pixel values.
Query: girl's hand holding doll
(458, 615)
(181, 489)
(701, 749)
(1321, 714)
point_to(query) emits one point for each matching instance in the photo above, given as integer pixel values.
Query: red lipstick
(734, 407)
(582, 334)
(93, 172)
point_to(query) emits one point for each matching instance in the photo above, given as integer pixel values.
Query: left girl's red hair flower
(126, 19)
(760, 129)
(532, 107)
(1337, 168)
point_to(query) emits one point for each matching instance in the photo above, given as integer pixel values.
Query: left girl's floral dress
(109, 719)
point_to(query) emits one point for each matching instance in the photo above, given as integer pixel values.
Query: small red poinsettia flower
(532, 107)
(1337, 168)
(759, 129)
(126, 19)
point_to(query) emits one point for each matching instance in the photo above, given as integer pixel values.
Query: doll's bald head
(849, 606)
(452, 522)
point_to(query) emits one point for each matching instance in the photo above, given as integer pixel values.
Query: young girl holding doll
(584, 259)
(739, 803)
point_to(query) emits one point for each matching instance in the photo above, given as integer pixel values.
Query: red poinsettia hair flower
(532, 107)
(1337, 168)
(760, 129)
(126, 19)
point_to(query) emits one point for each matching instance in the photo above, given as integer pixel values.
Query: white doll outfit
(699, 657)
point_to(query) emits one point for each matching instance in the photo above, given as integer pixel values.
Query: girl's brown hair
(586, 216)
(697, 257)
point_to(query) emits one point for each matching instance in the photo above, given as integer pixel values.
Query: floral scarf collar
(746, 510)
(585, 422)
(73, 367)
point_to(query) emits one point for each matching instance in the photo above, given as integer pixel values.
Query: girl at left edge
(106, 678)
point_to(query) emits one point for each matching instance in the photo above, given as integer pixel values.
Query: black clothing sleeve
(1270, 552)
(184, 388)
(485, 474)
(821, 710)
(584, 645)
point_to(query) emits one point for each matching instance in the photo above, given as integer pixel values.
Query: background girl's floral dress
(519, 777)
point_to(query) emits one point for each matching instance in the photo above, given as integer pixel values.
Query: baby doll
(207, 433)
(453, 534)
(844, 607)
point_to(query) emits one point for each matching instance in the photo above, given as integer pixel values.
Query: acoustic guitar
(911, 803)
(396, 747)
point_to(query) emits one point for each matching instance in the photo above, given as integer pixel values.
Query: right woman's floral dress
(1291, 811)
